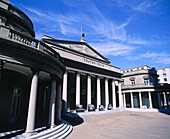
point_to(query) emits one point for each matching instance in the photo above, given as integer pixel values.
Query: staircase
(61, 131)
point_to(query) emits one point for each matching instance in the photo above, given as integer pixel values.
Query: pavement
(123, 124)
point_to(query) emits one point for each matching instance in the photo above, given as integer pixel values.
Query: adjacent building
(141, 89)
(164, 75)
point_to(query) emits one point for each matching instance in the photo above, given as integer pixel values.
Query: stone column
(162, 94)
(124, 100)
(159, 100)
(113, 94)
(52, 103)
(131, 95)
(120, 96)
(64, 107)
(106, 94)
(140, 100)
(88, 90)
(98, 93)
(78, 88)
(166, 98)
(150, 100)
(32, 105)
(58, 101)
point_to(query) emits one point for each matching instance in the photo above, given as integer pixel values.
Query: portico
(93, 93)
(140, 99)
(90, 79)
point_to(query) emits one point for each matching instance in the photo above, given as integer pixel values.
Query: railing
(22, 38)
(26, 40)
(139, 85)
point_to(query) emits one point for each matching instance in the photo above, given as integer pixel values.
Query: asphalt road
(123, 125)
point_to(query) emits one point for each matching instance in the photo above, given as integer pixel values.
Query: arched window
(132, 79)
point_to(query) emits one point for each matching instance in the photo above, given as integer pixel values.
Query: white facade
(141, 89)
(164, 75)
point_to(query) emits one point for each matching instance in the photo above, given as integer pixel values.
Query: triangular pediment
(80, 47)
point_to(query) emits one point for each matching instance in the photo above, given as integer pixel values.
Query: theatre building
(140, 88)
(89, 78)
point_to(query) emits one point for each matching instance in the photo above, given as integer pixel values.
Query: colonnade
(140, 99)
(165, 98)
(89, 86)
(55, 98)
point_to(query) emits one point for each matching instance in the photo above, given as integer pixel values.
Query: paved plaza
(123, 125)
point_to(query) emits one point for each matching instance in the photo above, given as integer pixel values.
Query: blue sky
(129, 32)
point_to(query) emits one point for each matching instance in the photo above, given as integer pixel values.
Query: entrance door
(136, 100)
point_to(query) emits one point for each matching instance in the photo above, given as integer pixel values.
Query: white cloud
(145, 6)
(112, 48)
(163, 57)
(96, 22)
(113, 37)
(134, 39)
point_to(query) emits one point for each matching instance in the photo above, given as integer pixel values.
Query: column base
(52, 126)
(28, 134)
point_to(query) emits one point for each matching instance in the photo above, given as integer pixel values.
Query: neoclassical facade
(89, 78)
(141, 89)
(30, 75)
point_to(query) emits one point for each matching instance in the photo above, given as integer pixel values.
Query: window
(164, 74)
(133, 82)
(165, 79)
(146, 81)
(15, 104)
(122, 83)
(142, 68)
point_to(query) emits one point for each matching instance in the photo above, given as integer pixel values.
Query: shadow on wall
(165, 111)
(72, 118)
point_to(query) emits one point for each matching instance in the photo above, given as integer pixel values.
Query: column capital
(89, 75)
(78, 72)
(2, 63)
(35, 71)
(106, 79)
(113, 80)
(66, 72)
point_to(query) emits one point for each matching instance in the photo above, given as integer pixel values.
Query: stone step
(66, 133)
(60, 131)
(46, 132)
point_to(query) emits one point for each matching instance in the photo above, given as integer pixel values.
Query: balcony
(14, 36)
(134, 86)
